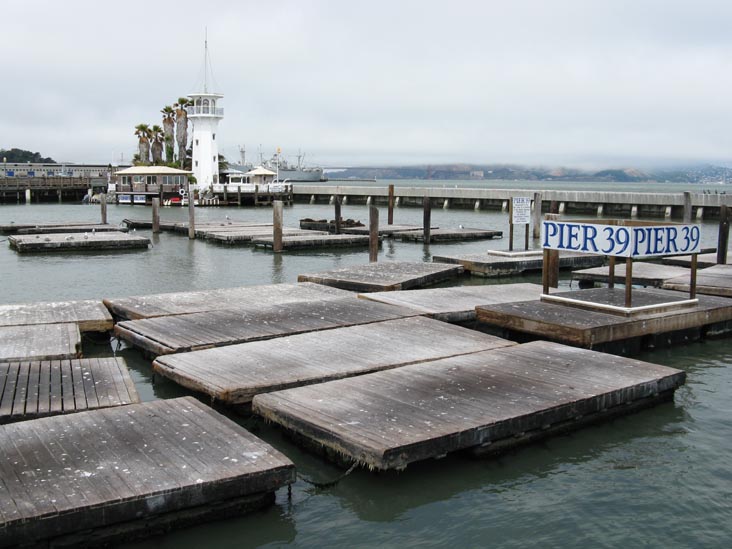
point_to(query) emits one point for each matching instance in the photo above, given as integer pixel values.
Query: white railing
(195, 110)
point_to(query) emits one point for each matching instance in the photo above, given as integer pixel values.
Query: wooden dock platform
(189, 332)
(456, 304)
(385, 230)
(177, 303)
(716, 280)
(89, 315)
(113, 474)
(234, 374)
(596, 329)
(494, 264)
(449, 235)
(702, 260)
(40, 342)
(384, 276)
(67, 242)
(63, 227)
(303, 242)
(32, 389)
(245, 236)
(489, 401)
(644, 274)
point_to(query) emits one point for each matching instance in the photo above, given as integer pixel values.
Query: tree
(19, 155)
(169, 130)
(181, 127)
(142, 131)
(157, 136)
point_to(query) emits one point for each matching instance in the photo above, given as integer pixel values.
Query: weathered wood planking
(716, 280)
(448, 235)
(32, 389)
(644, 273)
(40, 342)
(149, 306)
(384, 230)
(63, 242)
(497, 398)
(114, 466)
(182, 333)
(384, 276)
(490, 265)
(295, 242)
(91, 228)
(88, 315)
(147, 224)
(456, 304)
(242, 236)
(203, 226)
(13, 228)
(236, 373)
(703, 260)
(585, 328)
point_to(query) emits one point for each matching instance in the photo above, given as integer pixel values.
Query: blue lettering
(550, 231)
(588, 238)
(574, 232)
(639, 237)
(658, 243)
(671, 233)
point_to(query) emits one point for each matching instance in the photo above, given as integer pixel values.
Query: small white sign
(521, 210)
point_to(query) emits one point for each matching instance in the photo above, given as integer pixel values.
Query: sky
(577, 83)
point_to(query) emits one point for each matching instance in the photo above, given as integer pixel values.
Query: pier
(69, 242)
(89, 315)
(40, 342)
(496, 263)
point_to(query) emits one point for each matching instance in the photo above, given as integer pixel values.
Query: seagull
(86, 236)
(460, 227)
(93, 230)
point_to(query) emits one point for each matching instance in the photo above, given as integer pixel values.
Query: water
(659, 478)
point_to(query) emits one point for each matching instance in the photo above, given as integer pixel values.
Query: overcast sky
(576, 83)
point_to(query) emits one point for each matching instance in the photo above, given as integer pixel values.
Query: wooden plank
(703, 260)
(89, 315)
(149, 306)
(716, 280)
(388, 419)
(643, 273)
(456, 304)
(300, 242)
(84, 228)
(39, 342)
(384, 230)
(66, 242)
(14, 228)
(121, 472)
(385, 276)
(236, 373)
(241, 236)
(182, 333)
(449, 235)
(493, 264)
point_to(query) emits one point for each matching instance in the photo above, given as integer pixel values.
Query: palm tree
(157, 135)
(181, 127)
(142, 131)
(169, 130)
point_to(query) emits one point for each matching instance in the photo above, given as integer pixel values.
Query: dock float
(702, 260)
(644, 274)
(246, 236)
(303, 242)
(176, 303)
(40, 342)
(496, 263)
(235, 374)
(88, 315)
(190, 332)
(458, 303)
(385, 230)
(33, 389)
(68, 227)
(607, 330)
(66, 242)
(716, 280)
(384, 276)
(449, 235)
(488, 401)
(113, 474)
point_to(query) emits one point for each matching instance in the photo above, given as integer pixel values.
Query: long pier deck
(494, 264)
(88, 315)
(102, 475)
(236, 373)
(32, 389)
(490, 400)
(40, 342)
(67, 242)
(716, 280)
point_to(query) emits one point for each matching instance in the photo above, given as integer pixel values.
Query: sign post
(519, 214)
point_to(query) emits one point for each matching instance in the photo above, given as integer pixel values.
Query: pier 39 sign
(621, 240)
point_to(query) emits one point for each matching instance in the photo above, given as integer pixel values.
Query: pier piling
(103, 203)
(723, 238)
(536, 216)
(156, 215)
(390, 219)
(277, 226)
(427, 218)
(373, 234)
(191, 213)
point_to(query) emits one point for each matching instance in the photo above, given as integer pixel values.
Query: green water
(659, 478)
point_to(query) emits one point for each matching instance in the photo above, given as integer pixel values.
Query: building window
(196, 163)
(196, 142)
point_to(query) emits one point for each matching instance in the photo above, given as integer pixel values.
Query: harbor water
(658, 478)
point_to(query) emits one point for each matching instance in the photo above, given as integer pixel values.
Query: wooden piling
(277, 226)
(373, 234)
(191, 212)
(156, 215)
(723, 238)
(611, 272)
(628, 282)
(536, 216)
(550, 269)
(427, 218)
(692, 276)
(238, 195)
(510, 225)
(687, 207)
(337, 205)
(390, 220)
(103, 204)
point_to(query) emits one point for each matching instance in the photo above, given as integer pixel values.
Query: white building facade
(204, 116)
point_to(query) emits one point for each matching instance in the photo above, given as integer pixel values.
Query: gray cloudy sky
(560, 82)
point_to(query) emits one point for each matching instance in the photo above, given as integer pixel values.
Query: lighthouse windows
(205, 106)
(214, 137)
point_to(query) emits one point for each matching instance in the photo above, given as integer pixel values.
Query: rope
(331, 482)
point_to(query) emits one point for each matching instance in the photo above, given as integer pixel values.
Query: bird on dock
(86, 236)
(460, 227)
(94, 231)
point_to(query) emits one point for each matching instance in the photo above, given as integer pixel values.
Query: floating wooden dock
(384, 276)
(236, 373)
(385, 230)
(449, 235)
(67, 227)
(182, 333)
(106, 475)
(506, 264)
(88, 315)
(489, 401)
(702, 260)
(245, 236)
(716, 280)
(177, 303)
(32, 389)
(599, 329)
(40, 342)
(147, 224)
(456, 304)
(644, 274)
(301, 242)
(65, 242)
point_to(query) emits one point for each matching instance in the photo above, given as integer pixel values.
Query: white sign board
(621, 241)
(521, 210)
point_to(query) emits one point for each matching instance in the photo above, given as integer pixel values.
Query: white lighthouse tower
(204, 115)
